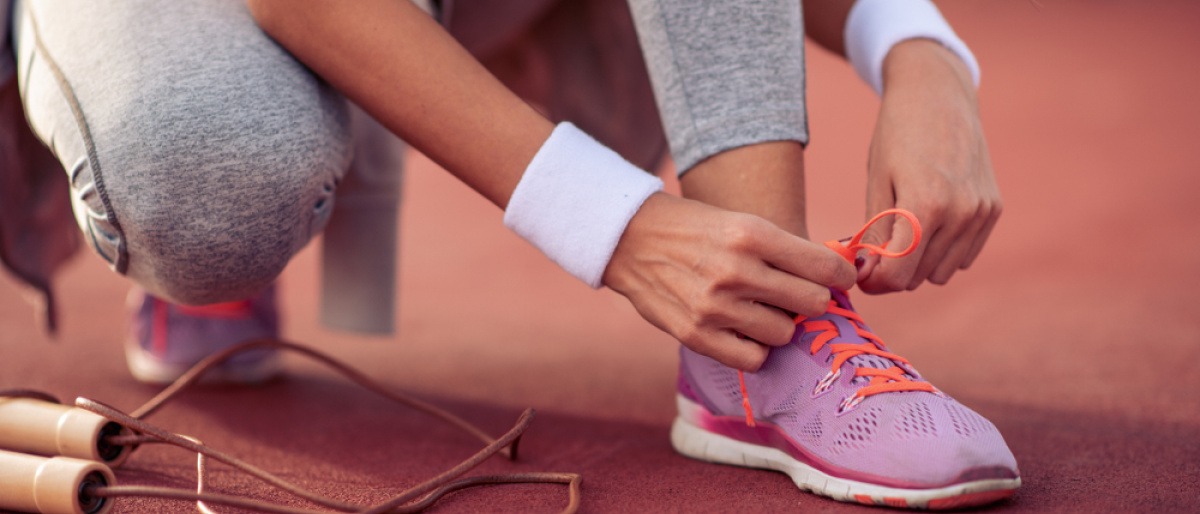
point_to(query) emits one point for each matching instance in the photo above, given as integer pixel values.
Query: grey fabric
(201, 155)
(358, 251)
(725, 74)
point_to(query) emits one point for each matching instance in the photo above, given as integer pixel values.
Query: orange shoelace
(893, 379)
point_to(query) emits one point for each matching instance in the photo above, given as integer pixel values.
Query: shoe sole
(697, 443)
(148, 370)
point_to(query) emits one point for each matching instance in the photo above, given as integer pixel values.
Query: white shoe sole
(695, 442)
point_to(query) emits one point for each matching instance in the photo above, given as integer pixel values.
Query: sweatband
(875, 26)
(575, 200)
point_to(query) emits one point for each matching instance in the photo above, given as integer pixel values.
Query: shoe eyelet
(825, 385)
(849, 403)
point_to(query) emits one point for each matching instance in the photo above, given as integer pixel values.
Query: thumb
(893, 274)
(877, 234)
(879, 199)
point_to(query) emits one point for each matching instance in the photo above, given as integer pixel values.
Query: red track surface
(1077, 332)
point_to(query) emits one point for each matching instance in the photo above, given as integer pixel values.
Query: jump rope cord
(571, 479)
(197, 372)
(414, 499)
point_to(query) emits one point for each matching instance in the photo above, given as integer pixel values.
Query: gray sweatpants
(202, 156)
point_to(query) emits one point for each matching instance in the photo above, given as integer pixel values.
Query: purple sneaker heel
(168, 339)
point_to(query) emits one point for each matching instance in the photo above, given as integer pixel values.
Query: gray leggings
(725, 73)
(202, 156)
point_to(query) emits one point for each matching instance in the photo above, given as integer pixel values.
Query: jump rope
(58, 459)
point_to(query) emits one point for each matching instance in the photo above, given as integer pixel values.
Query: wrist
(921, 61)
(875, 27)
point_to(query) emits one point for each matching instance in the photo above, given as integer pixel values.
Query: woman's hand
(707, 276)
(929, 156)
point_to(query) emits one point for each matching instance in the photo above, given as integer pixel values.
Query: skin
(732, 256)
(928, 155)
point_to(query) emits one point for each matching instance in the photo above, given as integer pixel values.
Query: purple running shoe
(168, 339)
(844, 418)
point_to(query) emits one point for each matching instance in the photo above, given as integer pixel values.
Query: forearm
(398, 64)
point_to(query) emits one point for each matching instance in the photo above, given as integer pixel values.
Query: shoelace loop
(849, 249)
(893, 379)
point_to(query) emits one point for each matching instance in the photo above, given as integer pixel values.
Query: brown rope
(433, 488)
(571, 479)
(190, 445)
(197, 372)
(414, 499)
(145, 491)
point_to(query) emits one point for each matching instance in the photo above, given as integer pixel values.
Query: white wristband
(574, 201)
(875, 26)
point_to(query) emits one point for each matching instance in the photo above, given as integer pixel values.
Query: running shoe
(168, 339)
(844, 418)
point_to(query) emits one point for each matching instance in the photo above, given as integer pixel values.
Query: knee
(201, 155)
(207, 218)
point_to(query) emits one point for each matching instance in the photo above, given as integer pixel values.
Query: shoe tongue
(847, 334)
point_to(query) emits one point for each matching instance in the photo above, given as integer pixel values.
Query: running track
(1077, 332)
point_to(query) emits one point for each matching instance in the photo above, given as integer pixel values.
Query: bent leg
(201, 156)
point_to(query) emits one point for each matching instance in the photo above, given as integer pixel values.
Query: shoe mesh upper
(920, 438)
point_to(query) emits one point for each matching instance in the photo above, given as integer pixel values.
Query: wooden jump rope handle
(52, 485)
(38, 427)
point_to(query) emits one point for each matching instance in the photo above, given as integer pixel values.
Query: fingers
(774, 272)
(946, 238)
(787, 292)
(762, 323)
(880, 197)
(804, 259)
(728, 311)
(729, 333)
(956, 254)
(726, 347)
(709, 335)
(752, 291)
(894, 274)
(723, 344)
(707, 276)
(961, 237)
(955, 231)
(997, 207)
